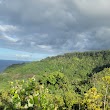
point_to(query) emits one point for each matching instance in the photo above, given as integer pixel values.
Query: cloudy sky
(35, 29)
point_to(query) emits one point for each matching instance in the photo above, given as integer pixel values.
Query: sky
(35, 29)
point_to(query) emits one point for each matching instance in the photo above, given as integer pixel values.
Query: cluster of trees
(54, 92)
(73, 81)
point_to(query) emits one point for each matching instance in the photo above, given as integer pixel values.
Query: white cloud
(23, 56)
(8, 38)
(5, 28)
(44, 46)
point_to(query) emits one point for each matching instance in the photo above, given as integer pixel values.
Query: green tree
(92, 100)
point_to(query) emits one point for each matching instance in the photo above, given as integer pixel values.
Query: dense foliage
(73, 81)
(34, 96)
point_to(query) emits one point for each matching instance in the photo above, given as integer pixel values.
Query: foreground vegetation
(54, 94)
(74, 81)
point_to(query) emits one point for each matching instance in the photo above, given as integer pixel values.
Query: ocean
(5, 63)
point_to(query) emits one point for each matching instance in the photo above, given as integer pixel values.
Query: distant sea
(5, 63)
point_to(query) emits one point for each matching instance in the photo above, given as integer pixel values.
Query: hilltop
(83, 63)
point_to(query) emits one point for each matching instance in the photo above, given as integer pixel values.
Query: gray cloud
(54, 26)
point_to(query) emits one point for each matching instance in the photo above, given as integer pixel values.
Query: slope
(78, 66)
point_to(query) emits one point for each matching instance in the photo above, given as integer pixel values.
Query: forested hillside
(73, 81)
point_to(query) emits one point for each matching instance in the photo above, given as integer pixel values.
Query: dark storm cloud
(55, 25)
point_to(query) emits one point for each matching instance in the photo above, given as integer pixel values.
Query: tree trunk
(105, 98)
